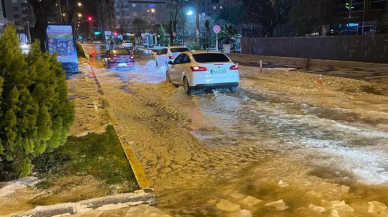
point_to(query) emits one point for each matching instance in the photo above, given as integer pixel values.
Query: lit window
(133, 5)
(214, 7)
(220, 7)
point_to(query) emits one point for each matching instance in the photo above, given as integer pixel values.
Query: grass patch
(97, 155)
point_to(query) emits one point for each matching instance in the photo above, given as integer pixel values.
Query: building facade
(3, 21)
(213, 7)
(154, 12)
(21, 13)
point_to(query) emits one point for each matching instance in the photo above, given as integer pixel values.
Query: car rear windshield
(210, 57)
(120, 52)
(179, 50)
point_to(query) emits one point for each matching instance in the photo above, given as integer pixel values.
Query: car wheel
(233, 89)
(186, 86)
(168, 78)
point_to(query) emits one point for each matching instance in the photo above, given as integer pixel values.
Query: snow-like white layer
(13, 186)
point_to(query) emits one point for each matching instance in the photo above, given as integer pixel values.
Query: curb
(137, 168)
(128, 199)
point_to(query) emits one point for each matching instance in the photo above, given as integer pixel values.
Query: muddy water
(249, 148)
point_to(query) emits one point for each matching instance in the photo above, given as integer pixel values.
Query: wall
(361, 48)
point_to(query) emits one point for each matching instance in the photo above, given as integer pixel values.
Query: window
(134, 14)
(179, 50)
(214, 7)
(185, 59)
(179, 59)
(14, 1)
(210, 57)
(17, 24)
(164, 51)
(16, 16)
(15, 9)
(152, 5)
(221, 7)
(133, 5)
(215, 1)
(120, 52)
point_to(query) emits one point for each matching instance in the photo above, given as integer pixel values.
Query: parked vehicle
(118, 58)
(127, 45)
(169, 53)
(203, 70)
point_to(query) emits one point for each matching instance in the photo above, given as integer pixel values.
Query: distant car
(169, 53)
(203, 70)
(118, 57)
(127, 44)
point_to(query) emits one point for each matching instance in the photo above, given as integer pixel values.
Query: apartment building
(153, 11)
(19, 12)
(3, 21)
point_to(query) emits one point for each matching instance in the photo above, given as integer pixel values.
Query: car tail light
(171, 57)
(234, 67)
(198, 68)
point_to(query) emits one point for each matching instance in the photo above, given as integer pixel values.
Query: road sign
(217, 29)
(174, 34)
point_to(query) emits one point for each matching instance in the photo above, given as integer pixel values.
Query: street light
(190, 13)
(152, 10)
(79, 15)
(79, 4)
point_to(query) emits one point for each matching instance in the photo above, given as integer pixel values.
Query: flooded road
(275, 148)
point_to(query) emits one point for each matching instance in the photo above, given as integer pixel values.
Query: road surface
(278, 147)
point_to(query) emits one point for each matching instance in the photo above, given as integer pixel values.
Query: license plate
(122, 64)
(218, 71)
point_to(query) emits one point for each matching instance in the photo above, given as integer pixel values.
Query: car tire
(233, 89)
(186, 86)
(168, 78)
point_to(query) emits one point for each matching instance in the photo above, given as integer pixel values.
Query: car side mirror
(170, 63)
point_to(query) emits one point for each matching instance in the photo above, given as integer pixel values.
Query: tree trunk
(38, 32)
(170, 27)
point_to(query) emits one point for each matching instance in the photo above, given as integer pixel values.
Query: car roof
(202, 51)
(175, 47)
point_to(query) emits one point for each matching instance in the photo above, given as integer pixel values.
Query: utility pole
(197, 21)
(350, 14)
(363, 18)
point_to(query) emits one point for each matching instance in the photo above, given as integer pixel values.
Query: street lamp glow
(79, 4)
(190, 13)
(79, 15)
(152, 10)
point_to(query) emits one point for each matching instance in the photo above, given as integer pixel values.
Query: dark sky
(88, 6)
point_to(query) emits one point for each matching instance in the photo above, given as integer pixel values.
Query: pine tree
(36, 112)
(162, 34)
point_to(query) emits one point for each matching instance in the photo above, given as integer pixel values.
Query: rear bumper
(117, 64)
(215, 86)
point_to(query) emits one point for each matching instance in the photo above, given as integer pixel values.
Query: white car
(169, 53)
(127, 44)
(203, 70)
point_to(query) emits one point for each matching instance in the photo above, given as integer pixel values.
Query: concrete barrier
(360, 48)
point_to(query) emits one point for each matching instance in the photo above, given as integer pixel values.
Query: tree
(228, 32)
(305, 17)
(175, 8)
(162, 35)
(141, 26)
(269, 13)
(35, 112)
(38, 32)
(383, 24)
(232, 15)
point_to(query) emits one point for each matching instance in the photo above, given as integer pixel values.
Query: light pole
(197, 21)
(59, 11)
(184, 27)
(363, 18)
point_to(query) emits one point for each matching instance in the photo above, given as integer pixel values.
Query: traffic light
(115, 33)
(90, 19)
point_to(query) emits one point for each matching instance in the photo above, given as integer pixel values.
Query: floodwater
(224, 154)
